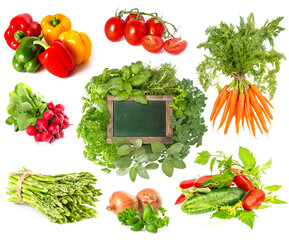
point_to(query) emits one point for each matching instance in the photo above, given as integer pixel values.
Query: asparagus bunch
(62, 198)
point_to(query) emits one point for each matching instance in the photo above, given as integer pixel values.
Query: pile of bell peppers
(60, 51)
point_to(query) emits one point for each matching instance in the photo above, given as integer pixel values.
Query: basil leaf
(127, 87)
(125, 72)
(137, 226)
(121, 96)
(148, 212)
(100, 105)
(137, 80)
(139, 96)
(136, 67)
(151, 227)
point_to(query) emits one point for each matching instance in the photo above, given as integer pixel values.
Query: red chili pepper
(187, 183)
(56, 58)
(241, 181)
(202, 179)
(253, 199)
(20, 26)
(180, 199)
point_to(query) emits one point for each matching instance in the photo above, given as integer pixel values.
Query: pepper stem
(18, 35)
(43, 44)
(54, 22)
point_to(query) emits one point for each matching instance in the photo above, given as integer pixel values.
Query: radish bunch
(51, 125)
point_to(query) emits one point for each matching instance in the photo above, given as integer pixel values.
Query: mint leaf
(247, 158)
(247, 217)
(203, 158)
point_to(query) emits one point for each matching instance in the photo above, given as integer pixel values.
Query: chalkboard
(132, 120)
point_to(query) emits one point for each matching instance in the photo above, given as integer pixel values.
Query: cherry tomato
(175, 45)
(180, 199)
(241, 181)
(152, 44)
(253, 199)
(134, 30)
(201, 180)
(155, 27)
(114, 28)
(187, 183)
(134, 16)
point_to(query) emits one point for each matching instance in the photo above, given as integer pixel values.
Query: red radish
(58, 118)
(42, 124)
(46, 136)
(57, 110)
(37, 136)
(50, 105)
(48, 114)
(65, 124)
(53, 128)
(60, 106)
(61, 133)
(65, 116)
(31, 130)
(56, 136)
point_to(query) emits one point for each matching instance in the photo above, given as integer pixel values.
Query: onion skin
(149, 195)
(121, 200)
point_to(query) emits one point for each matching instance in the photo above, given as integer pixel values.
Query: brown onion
(149, 195)
(120, 201)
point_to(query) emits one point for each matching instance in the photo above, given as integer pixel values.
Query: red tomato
(152, 43)
(187, 183)
(241, 181)
(134, 30)
(175, 45)
(134, 16)
(253, 199)
(155, 27)
(114, 28)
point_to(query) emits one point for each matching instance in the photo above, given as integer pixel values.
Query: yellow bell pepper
(53, 26)
(78, 43)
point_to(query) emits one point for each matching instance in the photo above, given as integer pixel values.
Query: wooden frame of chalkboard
(168, 136)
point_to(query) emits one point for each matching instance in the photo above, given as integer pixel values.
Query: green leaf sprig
(242, 49)
(150, 220)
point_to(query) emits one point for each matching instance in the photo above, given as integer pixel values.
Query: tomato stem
(167, 33)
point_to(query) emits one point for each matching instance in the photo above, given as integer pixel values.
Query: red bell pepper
(56, 58)
(20, 26)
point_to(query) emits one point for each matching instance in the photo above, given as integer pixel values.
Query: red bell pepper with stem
(57, 58)
(20, 26)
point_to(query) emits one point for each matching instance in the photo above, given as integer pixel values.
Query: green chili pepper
(26, 55)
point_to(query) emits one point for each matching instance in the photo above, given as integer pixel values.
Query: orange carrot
(257, 109)
(232, 109)
(243, 116)
(240, 108)
(256, 120)
(226, 110)
(248, 106)
(246, 118)
(261, 98)
(265, 114)
(217, 101)
(222, 101)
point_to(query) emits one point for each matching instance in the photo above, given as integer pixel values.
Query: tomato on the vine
(175, 45)
(152, 43)
(134, 30)
(114, 28)
(134, 16)
(155, 27)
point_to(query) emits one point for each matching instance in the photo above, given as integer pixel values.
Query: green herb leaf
(121, 96)
(151, 166)
(218, 181)
(247, 217)
(179, 164)
(153, 156)
(122, 171)
(148, 212)
(222, 215)
(175, 148)
(100, 105)
(122, 162)
(167, 168)
(139, 96)
(123, 150)
(137, 226)
(157, 147)
(117, 141)
(137, 143)
(142, 158)
(247, 158)
(132, 173)
(142, 172)
(127, 87)
(273, 188)
(151, 227)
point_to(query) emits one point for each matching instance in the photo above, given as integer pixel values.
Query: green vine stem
(167, 33)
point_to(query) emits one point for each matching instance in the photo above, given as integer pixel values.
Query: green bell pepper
(26, 55)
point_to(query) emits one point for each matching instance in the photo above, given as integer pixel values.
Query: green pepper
(26, 55)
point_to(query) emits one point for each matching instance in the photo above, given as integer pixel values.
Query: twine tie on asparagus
(20, 182)
(241, 79)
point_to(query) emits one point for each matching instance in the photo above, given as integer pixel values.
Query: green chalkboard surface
(149, 122)
(132, 119)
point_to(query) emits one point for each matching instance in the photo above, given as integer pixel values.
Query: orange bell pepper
(53, 26)
(78, 43)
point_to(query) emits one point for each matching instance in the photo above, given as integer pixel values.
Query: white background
(65, 155)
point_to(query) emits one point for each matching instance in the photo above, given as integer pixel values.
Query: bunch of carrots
(244, 101)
